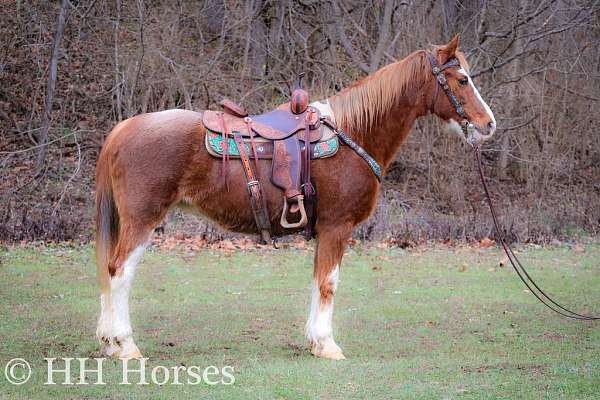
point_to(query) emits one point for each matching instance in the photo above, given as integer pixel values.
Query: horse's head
(455, 98)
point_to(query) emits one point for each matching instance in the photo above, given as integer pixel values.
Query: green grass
(414, 326)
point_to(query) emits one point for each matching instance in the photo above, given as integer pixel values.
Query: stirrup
(303, 220)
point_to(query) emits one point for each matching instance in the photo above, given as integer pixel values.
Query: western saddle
(291, 135)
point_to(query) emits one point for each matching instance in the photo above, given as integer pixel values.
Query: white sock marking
(114, 318)
(319, 323)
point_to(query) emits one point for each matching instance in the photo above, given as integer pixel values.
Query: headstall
(438, 72)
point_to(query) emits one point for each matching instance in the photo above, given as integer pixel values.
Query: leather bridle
(438, 73)
(533, 287)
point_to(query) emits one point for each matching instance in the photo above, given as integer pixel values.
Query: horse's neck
(383, 138)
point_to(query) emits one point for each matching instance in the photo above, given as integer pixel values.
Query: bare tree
(47, 116)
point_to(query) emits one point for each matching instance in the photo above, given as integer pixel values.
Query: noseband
(438, 72)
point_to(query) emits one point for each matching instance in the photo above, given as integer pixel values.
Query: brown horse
(152, 162)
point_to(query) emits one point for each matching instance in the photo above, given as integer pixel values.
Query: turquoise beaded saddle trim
(264, 148)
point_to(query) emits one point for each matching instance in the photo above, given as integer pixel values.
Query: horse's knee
(328, 285)
(327, 291)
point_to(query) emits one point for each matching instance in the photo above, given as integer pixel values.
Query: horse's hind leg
(114, 326)
(331, 242)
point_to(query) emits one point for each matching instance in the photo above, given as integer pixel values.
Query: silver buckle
(251, 184)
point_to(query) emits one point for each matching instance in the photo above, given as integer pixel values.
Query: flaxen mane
(369, 101)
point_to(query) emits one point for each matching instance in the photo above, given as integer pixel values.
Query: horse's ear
(448, 51)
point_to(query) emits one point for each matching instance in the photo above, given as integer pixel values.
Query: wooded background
(69, 70)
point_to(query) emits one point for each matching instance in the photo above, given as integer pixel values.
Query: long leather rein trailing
(533, 287)
(516, 264)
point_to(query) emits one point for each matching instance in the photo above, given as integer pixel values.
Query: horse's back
(151, 152)
(157, 126)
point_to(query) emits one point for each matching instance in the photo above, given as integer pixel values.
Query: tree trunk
(46, 117)
(384, 33)
(513, 93)
(258, 46)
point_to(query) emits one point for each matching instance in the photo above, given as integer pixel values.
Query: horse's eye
(463, 81)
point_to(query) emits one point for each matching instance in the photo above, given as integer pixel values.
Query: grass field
(427, 323)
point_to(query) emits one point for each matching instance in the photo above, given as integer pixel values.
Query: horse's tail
(107, 221)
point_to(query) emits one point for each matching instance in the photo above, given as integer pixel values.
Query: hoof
(123, 349)
(329, 350)
(333, 356)
(136, 354)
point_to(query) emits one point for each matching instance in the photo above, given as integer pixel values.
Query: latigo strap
(257, 198)
(225, 156)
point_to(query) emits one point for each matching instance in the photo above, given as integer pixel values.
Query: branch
(521, 125)
(77, 169)
(495, 66)
(503, 35)
(39, 145)
(346, 42)
(571, 91)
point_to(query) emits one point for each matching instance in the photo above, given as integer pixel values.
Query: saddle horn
(300, 99)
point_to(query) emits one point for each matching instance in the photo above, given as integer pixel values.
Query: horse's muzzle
(477, 135)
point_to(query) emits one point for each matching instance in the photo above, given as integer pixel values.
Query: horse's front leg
(331, 242)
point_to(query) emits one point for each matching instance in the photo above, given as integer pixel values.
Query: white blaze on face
(483, 103)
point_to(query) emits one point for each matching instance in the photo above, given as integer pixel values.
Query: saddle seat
(277, 124)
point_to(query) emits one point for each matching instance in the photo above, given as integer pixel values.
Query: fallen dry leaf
(486, 242)
(463, 268)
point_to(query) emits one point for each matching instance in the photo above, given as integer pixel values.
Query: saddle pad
(264, 147)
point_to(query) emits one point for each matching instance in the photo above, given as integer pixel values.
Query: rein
(516, 264)
(542, 296)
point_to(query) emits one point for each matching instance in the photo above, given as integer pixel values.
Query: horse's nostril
(491, 125)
